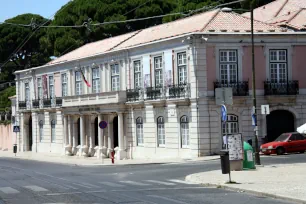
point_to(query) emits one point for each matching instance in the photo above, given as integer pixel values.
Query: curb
(240, 190)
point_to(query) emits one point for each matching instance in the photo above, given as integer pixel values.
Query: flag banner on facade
(168, 68)
(86, 82)
(45, 86)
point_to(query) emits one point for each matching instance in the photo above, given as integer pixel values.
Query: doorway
(115, 131)
(30, 134)
(79, 131)
(278, 122)
(96, 126)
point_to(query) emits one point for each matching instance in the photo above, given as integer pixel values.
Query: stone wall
(6, 137)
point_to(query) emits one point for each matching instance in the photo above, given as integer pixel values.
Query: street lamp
(257, 157)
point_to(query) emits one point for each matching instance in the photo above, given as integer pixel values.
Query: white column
(74, 135)
(67, 135)
(120, 154)
(59, 129)
(47, 131)
(91, 138)
(83, 148)
(100, 138)
(110, 134)
(34, 131)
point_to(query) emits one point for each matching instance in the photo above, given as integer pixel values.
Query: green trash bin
(248, 160)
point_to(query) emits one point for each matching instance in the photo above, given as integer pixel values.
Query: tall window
(182, 68)
(115, 77)
(78, 83)
(41, 130)
(228, 66)
(64, 85)
(51, 87)
(232, 125)
(27, 91)
(95, 80)
(158, 67)
(137, 74)
(39, 88)
(161, 132)
(53, 131)
(139, 131)
(278, 66)
(185, 131)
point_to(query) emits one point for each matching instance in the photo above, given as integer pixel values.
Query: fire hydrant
(113, 157)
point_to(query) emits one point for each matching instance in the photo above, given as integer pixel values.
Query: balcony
(47, 103)
(156, 93)
(239, 88)
(95, 99)
(286, 88)
(24, 105)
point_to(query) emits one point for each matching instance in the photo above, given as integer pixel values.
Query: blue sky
(45, 8)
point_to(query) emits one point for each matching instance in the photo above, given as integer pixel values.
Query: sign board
(103, 124)
(265, 109)
(224, 96)
(16, 129)
(235, 147)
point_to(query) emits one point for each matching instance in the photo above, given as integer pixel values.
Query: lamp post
(257, 157)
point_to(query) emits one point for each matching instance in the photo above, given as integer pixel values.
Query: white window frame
(41, 130)
(232, 125)
(96, 84)
(40, 91)
(115, 77)
(158, 71)
(137, 74)
(182, 67)
(51, 86)
(139, 131)
(278, 62)
(161, 137)
(228, 62)
(184, 130)
(78, 83)
(64, 78)
(53, 131)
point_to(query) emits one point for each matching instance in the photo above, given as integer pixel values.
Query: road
(29, 182)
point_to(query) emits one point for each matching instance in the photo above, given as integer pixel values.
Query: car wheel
(302, 152)
(280, 151)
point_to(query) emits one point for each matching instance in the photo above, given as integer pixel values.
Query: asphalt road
(29, 182)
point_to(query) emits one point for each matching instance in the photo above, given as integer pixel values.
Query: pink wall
(211, 67)
(57, 85)
(298, 65)
(6, 137)
(260, 66)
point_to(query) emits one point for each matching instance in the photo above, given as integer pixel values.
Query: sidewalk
(93, 161)
(278, 181)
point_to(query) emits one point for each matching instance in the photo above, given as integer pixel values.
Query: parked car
(285, 143)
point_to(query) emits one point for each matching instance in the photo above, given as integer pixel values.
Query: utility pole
(257, 157)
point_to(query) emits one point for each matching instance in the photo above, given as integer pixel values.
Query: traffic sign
(265, 109)
(103, 124)
(16, 129)
(223, 113)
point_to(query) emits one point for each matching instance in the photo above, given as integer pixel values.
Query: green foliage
(4, 101)
(5, 122)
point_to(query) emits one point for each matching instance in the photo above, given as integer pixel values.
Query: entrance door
(115, 131)
(278, 122)
(30, 134)
(96, 132)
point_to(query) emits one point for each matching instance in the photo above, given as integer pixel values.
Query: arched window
(232, 125)
(53, 131)
(41, 130)
(184, 131)
(160, 132)
(139, 131)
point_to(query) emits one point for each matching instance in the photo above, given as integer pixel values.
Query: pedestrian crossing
(98, 185)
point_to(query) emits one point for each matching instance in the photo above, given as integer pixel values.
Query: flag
(86, 82)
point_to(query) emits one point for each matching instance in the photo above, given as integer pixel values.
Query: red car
(285, 143)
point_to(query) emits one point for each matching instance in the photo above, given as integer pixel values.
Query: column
(91, 138)
(59, 142)
(83, 149)
(74, 135)
(110, 134)
(120, 154)
(34, 131)
(70, 134)
(47, 132)
(66, 135)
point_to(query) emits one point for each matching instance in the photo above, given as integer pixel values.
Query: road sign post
(16, 129)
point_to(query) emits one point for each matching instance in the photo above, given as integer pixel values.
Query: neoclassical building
(154, 88)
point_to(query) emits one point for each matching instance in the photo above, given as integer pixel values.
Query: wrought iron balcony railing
(240, 88)
(133, 94)
(47, 103)
(22, 105)
(35, 103)
(281, 88)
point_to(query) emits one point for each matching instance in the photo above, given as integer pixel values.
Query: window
(39, 88)
(64, 85)
(228, 66)
(78, 83)
(53, 131)
(115, 77)
(95, 80)
(139, 131)
(158, 67)
(41, 130)
(184, 131)
(231, 124)
(278, 66)
(137, 74)
(182, 68)
(160, 132)
(51, 87)
(27, 91)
